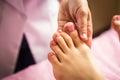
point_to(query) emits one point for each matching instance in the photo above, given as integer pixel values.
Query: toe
(61, 42)
(70, 29)
(75, 37)
(67, 39)
(57, 50)
(53, 59)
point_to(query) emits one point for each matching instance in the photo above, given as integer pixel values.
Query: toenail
(50, 54)
(57, 34)
(70, 28)
(53, 43)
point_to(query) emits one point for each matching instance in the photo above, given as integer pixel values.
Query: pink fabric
(106, 54)
(10, 38)
(19, 17)
(36, 19)
(40, 71)
(40, 26)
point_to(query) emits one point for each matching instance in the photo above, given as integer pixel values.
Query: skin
(116, 24)
(78, 12)
(71, 59)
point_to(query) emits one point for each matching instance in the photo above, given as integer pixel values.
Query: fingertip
(89, 42)
(83, 36)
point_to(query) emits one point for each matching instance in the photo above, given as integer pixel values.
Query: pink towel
(106, 54)
(40, 71)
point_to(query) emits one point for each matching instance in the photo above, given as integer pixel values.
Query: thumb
(82, 25)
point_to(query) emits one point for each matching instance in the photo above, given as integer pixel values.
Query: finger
(63, 15)
(61, 24)
(61, 19)
(82, 24)
(89, 30)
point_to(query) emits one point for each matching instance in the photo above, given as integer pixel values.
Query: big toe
(70, 29)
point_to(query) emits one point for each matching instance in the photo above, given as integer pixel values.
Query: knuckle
(83, 12)
(83, 26)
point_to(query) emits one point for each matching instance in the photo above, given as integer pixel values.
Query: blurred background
(102, 12)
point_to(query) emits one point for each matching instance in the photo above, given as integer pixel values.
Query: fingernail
(84, 36)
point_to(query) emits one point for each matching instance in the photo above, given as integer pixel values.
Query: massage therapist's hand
(76, 11)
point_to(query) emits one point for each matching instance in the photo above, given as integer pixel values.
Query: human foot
(71, 59)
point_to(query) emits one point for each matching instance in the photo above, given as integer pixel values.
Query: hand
(77, 11)
(116, 23)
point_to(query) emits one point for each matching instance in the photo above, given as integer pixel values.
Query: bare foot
(71, 59)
